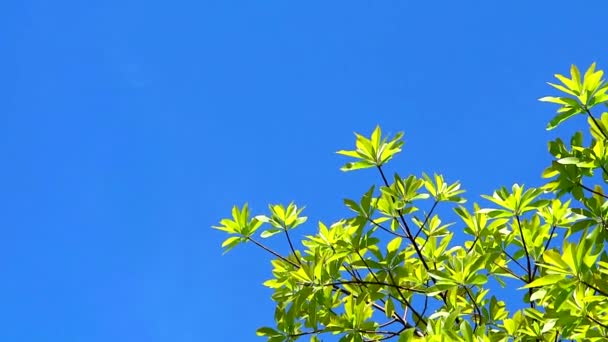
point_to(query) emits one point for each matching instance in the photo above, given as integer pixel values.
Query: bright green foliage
(375, 151)
(392, 271)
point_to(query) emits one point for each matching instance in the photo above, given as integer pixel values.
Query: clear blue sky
(128, 128)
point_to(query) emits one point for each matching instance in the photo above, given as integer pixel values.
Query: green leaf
(561, 88)
(389, 308)
(558, 119)
(301, 274)
(394, 244)
(568, 160)
(375, 138)
(375, 151)
(270, 232)
(566, 81)
(230, 243)
(357, 165)
(467, 331)
(548, 325)
(407, 335)
(267, 331)
(576, 77)
(543, 281)
(353, 154)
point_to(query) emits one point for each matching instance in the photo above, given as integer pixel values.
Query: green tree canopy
(393, 271)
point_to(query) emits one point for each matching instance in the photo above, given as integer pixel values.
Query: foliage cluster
(392, 270)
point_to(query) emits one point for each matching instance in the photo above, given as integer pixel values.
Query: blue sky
(128, 128)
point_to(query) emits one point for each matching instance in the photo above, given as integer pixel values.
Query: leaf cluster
(393, 270)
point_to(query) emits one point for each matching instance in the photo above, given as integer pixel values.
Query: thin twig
(544, 248)
(598, 322)
(385, 229)
(476, 308)
(388, 323)
(591, 190)
(291, 246)
(426, 219)
(407, 303)
(513, 259)
(408, 233)
(509, 271)
(597, 125)
(361, 282)
(336, 287)
(603, 293)
(529, 269)
(405, 227)
(473, 245)
(273, 252)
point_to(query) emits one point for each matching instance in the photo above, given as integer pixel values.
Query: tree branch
(405, 227)
(603, 293)
(544, 248)
(408, 233)
(407, 303)
(426, 219)
(360, 282)
(273, 252)
(591, 190)
(509, 271)
(473, 245)
(597, 322)
(385, 229)
(513, 259)
(291, 246)
(597, 125)
(476, 308)
(529, 269)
